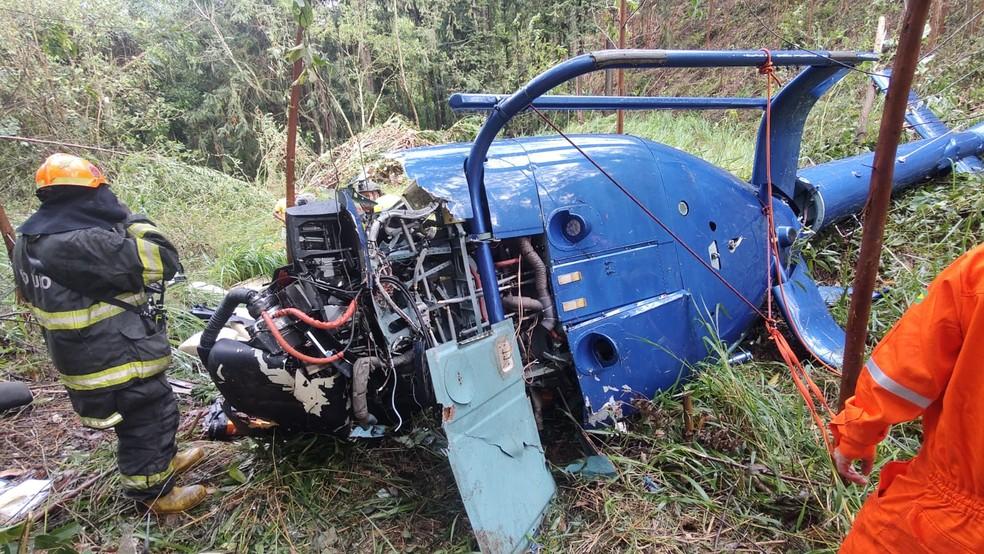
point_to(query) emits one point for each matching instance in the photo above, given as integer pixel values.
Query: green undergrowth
(304, 494)
(223, 227)
(928, 227)
(751, 475)
(726, 141)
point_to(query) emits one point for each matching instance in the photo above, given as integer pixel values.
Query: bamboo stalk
(620, 115)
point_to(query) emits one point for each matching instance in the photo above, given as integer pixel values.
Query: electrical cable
(941, 43)
(815, 53)
(409, 297)
(340, 292)
(393, 400)
(293, 352)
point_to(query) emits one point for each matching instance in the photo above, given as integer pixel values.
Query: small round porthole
(683, 208)
(603, 350)
(569, 226)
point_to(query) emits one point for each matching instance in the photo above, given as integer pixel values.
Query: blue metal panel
(634, 352)
(485, 102)
(806, 312)
(790, 107)
(566, 182)
(626, 267)
(493, 445)
(837, 189)
(612, 280)
(723, 216)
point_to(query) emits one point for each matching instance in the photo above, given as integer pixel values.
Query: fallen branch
(76, 491)
(752, 468)
(59, 143)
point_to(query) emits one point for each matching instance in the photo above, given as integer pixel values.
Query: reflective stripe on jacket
(67, 277)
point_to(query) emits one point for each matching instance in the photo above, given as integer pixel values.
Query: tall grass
(223, 227)
(727, 141)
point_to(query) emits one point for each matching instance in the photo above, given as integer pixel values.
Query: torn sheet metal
(493, 445)
(592, 468)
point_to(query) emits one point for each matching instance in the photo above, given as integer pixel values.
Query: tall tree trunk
(608, 72)
(403, 71)
(295, 98)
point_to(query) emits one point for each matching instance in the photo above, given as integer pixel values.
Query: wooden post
(620, 115)
(295, 98)
(7, 230)
(608, 72)
(870, 91)
(880, 192)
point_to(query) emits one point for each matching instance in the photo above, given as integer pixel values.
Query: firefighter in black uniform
(86, 264)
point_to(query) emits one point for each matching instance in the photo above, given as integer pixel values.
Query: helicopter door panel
(493, 445)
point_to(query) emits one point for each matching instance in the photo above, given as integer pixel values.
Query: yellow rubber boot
(180, 499)
(187, 459)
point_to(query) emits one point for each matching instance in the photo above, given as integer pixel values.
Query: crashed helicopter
(516, 273)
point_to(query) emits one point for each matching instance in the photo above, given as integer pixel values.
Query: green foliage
(57, 541)
(211, 217)
(248, 260)
(728, 142)
(927, 229)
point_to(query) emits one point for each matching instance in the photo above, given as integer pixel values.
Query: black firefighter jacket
(67, 278)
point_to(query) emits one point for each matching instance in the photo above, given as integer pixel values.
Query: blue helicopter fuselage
(637, 309)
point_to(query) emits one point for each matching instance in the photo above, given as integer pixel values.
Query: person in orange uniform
(930, 364)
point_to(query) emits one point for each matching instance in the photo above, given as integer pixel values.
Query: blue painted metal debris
(493, 445)
(528, 274)
(592, 467)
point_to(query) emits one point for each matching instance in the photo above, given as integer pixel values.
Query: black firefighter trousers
(146, 433)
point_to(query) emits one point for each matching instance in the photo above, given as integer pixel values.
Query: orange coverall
(931, 364)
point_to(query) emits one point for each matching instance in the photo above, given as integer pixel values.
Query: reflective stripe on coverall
(111, 359)
(931, 364)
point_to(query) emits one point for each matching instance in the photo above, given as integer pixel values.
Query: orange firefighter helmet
(66, 169)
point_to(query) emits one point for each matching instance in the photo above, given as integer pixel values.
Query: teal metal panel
(493, 444)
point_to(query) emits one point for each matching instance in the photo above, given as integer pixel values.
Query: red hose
(294, 352)
(481, 300)
(507, 263)
(326, 325)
